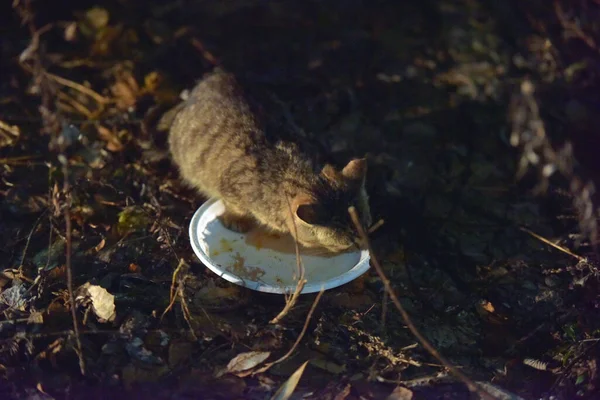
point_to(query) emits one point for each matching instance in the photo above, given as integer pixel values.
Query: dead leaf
(487, 310)
(488, 306)
(8, 134)
(328, 366)
(401, 393)
(344, 393)
(134, 268)
(126, 90)
(113, 143)
(497, 392)
(97, 17)
(7, 276)
(105, 39)
(103, 303)
(57, 273)
(35, 317)
(14, 296)
(100, 245)
(152, 81)
(246, 361)
(132, 219)
(70, 32)
(41, 395)
(287, 389)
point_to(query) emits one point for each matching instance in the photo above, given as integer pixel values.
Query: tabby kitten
(227, 145)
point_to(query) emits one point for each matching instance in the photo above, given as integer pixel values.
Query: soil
(477, 120)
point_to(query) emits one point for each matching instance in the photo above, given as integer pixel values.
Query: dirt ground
(478, 122)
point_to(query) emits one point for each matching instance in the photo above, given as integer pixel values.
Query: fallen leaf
(35, 317)
(97, 17)
(126, 90)
(488, 306)
(401, 393)
(245, 361)
(152, 81)
(328, 366)
(103, 303)
(113, 143)
(344, 393)
(8, 134)
(7, 276)
(70, 32)
(497, 392)
(14, 296)
(287, 389)
(100, 245)
(132, 219)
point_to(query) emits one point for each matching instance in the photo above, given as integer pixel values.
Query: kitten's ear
(356, 170)
(305, 209)
(330, 172)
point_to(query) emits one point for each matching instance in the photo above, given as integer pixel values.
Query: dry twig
(68, 228)
(298, 339)
(77, 86)
(173, 290)
(50, 120)
(556, 246)
(290, 302)
(407, 320)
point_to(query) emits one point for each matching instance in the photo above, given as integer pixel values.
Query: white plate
(228, 255)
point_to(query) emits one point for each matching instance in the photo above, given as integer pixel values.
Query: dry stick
(77, 86)
(548, 242)
(573, 27)
(388, 288)
(115, 332)
(69, 101)
(376, 226)
(173, 290)
(22, 160)
(67, 214)
(300, 269)
(41, 74)
(35, 225)
(186, 313)
(300, 336)
(12, 129)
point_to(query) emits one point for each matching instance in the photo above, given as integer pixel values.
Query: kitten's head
(321, 216)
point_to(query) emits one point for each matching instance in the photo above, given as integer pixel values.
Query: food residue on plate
(245, 271)
(284, 244)
(226, 246)
(261, 239)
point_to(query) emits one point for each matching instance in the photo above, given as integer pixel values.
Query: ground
(478, 124)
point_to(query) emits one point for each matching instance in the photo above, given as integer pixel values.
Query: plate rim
(359, 269)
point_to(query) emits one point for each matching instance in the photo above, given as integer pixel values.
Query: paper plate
(241, 259)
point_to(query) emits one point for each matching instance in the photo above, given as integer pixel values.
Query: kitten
(229, 145)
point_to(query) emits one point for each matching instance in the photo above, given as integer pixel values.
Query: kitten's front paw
(237, 223)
